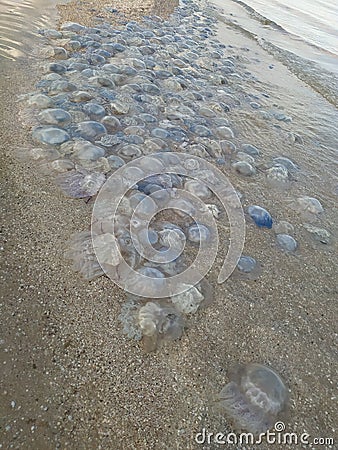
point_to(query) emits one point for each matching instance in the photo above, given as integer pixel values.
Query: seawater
(302, 36)
(313, 22)
(20, 21)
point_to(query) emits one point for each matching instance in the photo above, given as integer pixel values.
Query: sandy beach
(72, 380)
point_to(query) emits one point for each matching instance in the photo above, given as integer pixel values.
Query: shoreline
(87, 384)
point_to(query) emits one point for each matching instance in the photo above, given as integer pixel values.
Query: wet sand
(72, 379)
(91, 13)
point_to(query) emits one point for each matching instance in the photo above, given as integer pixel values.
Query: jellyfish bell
(255, 398)
(159, 320)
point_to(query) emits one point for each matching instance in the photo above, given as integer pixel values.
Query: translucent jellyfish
(110, 140)
(319, 234)
(286, 242)
(84, 150)
(128, 318)
(182, 207)
(111, 123)
(254, 398)
(170, 268)
(250, 149)
(242, 156)
(157, 321)
(309, 205)
(172, 238)
(286, 162)
(283, 227)
(55, 117)
(38, 155)
(247, 268)
(189, 301)
(130, 151)
(278, 173)
(153, 281)
(115, 161)
(244, 168)
(50, 135)
(90, 130)
(94, 111)
(260, 216)
(199, 189)
(145, 208)
(198, 233)
(130, 255)
(214, 209)
(81, 184)
(40, 101)
(80, 251)
(107, 248)
(228, 149)
(79, 96)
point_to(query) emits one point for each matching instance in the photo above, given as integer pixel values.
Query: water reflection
(19, 22)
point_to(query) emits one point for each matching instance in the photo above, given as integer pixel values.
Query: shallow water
(306, 28)
(316, 63)
(311, 20)
(19, 23)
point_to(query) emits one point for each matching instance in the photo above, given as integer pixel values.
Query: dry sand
(72, 380)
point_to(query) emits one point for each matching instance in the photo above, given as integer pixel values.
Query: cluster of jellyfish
(110, 96)
(154, 234)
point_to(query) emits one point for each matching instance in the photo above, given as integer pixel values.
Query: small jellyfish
(172, 238)
(260, 216)
(199, 189)
(244, 168)
(110, 140)
(189, 301)
(81, 184)
(90, 130)
(309, 205)
(278, 173)
(40, 101)
(55, 117)
(128, 318)
(246, 264)
(283, 227)
(80, 250)
(247, 268)
(146, 281)
(182, 207)
(115, 162)
(286, 162)
(198, 233)
(319, 234)
(250, 149)
(50, 135)
(286, 242)
(107, 249)
(254, 398)
(158, 321)
(86, 151)
(215, 211)
(130, 255)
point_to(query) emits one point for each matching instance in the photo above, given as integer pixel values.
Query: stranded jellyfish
(254, 398)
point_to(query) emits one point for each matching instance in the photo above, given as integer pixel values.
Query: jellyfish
(255, 398)
(157, 321)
